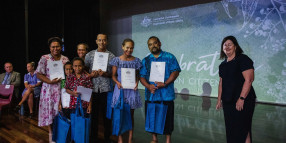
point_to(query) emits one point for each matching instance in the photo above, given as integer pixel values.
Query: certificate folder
(128, 78)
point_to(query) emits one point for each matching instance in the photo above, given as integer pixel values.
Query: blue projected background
(194, 34)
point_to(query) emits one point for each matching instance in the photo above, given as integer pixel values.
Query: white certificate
(100, 61)
(157, 72)
(128, 79)
(56, 69)
(65, 98)
(85, 93)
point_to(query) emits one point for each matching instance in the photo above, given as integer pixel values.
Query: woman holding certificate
(50, 71)
(125, 73)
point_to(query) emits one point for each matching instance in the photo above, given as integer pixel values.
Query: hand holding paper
(85, 93)
(160, 84)
(100, 72)
(65, 98)
(75, 94)
(100, 61)
(55, 80)
(94, 74)
(157, 72)
(56, 70)
(128, 79)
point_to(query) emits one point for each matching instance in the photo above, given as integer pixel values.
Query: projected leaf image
(270, 25)
(259, 26)
(277, 89)
(248, 8)
(265, 25)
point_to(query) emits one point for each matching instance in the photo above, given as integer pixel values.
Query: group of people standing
(236, 94)
(79, 73)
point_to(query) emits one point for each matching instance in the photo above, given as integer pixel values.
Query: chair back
(6, 92)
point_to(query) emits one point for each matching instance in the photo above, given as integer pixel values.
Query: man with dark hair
(101, 85)
(11, 77)
(162, 91)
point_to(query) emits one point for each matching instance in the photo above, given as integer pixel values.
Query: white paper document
(85, 93)
(7, 86)
(157, 72)
(100, 61)
(56, 69)
(128, 78)
(65, 98)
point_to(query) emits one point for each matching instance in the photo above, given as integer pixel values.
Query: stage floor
(196, 120)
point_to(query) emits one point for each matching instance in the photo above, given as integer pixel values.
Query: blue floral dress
(132, 97)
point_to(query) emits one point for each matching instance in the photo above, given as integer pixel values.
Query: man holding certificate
(158, 73)
(100, 72)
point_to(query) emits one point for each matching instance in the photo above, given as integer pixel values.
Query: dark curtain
(45, 21)
(74, 21)
(81, 24)
(13, 35)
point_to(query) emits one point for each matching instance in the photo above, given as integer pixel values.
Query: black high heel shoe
(31, 115)
(17, 108)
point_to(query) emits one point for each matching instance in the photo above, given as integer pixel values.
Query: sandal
(153, 141)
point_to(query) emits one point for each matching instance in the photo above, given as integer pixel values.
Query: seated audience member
(32, 87)
(11, 77)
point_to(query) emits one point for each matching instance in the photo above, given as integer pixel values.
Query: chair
(37, 93)
(6, 93)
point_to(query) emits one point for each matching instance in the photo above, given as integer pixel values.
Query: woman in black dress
(235, 93)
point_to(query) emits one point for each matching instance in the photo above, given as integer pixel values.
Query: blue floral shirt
(166, 93)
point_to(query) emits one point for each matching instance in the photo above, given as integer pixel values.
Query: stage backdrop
(194, 34)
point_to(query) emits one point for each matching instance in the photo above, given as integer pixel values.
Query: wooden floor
(20, 129)
(196, 121)
(15, 128)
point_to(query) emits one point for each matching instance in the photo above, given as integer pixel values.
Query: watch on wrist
(242, 98)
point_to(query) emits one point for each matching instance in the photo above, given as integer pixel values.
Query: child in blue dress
(131, 96)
